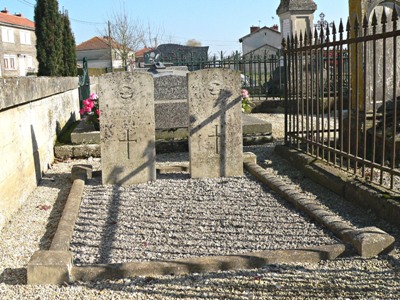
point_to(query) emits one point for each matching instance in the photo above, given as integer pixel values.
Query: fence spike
(284, 44)
(348, 27)
(365, 22)
(296, 40)
(327, 33)
(301, 38)
(395, 15)
(310, 36)
(305, 38)
(356, 25)
(384, 17)
(341, 27)
(334, 28)
(374, 22)
(316, 35)
(321, 33)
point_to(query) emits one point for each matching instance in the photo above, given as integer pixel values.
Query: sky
(218, 24)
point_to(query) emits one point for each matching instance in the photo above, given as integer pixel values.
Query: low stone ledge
(367, 241)
(369, 196)
(49, 267)
(249, 157)
(371, 241)
(77, 151)
(62, 237)
(206, 264)
(11, 93)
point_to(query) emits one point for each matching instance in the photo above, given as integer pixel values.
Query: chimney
(18, 15)
(5, 11)
(275, 27)
(254, 29)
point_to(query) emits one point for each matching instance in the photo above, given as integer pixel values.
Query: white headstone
(127, 128)
(215, 129)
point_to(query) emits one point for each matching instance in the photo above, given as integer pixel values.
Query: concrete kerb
(55, 266)
(369, 241)
(206, 264)
(381, 201)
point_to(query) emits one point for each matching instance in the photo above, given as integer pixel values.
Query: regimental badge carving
(126, 92)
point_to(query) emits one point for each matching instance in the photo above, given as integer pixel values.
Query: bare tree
(152, 36)
(193, 43)
(125, 35)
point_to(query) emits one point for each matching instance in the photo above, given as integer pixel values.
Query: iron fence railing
(261, 74)
(341, 93)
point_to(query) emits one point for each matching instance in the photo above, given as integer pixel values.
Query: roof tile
(16, 20)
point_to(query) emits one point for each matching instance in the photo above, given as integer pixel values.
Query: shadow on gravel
(355, 281)
(14, 276)
(53, 181)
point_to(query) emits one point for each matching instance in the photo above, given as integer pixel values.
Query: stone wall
(32, 112)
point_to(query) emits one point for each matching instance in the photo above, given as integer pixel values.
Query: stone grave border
(55, 266)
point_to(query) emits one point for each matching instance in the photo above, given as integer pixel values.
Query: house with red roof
(17, 45)
(99, 54)
(261, 40)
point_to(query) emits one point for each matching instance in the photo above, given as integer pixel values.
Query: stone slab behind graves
(127, 128)
(215, 129)
(170, 96)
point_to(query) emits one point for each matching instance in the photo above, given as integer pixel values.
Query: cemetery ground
(347, 277)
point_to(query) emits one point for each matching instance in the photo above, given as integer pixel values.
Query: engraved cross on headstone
(217, 136)
(128, 138)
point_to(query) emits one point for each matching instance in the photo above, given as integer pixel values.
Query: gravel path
(350, 277)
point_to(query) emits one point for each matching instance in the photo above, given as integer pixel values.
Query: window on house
(7, 35)
(9, 62)
(25, 37)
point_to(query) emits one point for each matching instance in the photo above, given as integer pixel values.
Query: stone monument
(215, 123)
(127, 128)
(296, 16)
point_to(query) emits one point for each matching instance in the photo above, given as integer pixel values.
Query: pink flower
(93, 96)
(91, 103)
(86, 102)
(82, 111)
(245, 93)
(98, 112)
(87, 108)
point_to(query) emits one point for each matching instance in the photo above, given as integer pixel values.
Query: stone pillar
(296, 16)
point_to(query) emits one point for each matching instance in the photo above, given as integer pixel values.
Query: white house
(17, 45)
(261, 40)
(98, 53)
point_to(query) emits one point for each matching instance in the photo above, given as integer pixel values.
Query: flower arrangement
(91, 110)
(246, 103)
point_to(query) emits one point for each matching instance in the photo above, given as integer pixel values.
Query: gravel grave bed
(178, 217)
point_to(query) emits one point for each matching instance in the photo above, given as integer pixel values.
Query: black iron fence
(341, 91)
(261, 74)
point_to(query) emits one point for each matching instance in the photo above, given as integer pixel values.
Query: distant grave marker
(127, 128)
(215, 129)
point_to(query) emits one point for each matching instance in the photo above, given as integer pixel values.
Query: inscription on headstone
(127, 128)
(215, 125)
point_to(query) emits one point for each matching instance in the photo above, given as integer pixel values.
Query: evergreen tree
(48, 38)
(69, 54)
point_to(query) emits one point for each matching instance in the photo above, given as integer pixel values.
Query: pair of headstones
(128, 126)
